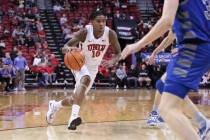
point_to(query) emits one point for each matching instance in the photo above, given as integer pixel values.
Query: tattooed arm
(116, 48)
(72, 43)
(113, 39)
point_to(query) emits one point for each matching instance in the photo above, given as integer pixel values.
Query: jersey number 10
(96, 53)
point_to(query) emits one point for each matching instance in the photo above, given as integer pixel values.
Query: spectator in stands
(21, 65)
(20, 41)
(117, 4)
(36, 39)
(156, 74)
(7, 77)
(33, 27)
(7, 59)
(42, 35)
(118, 15)
(45, 57)
(42, 67)
(53, 62)
(205, 78)
(57, 7)
(29, 42)
(37, 60)
(106, 74)
(103, 74)
(8, 63)
(45, 45)
(6, 33)
(144, 76)
(112, 77)
(39, 25)
(124, 67)
(30, 3)
(1, 53)
(81, 21)
(35, 11)
(1, 13)
(15, 20)
(7, 72)
(11, 12)
(66, 29)
(2, 82)
(17, 32)
(19, 17)
(121, 77)
(73, 7)
(67, 33)
(63, 20)
(30, 16)
(76, 25)
(157, 12)
(60, 72)
(148, 25)
(133, 76)
(2, 44)
(1, 62)
(14, 53)
(123, 4)
(1, 32)
(109, 13)
(131, 17)
(21, 4)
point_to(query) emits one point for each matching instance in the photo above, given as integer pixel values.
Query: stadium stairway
(55, 43)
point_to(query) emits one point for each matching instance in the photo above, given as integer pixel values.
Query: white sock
(155, 108)
(200, 119)
(58, 104)
(74, 112)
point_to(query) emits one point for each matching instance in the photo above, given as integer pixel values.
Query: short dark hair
(97, 12)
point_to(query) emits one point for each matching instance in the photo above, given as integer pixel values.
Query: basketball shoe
(154, 118)
(204, 130)
(52, 109)
(72, 125)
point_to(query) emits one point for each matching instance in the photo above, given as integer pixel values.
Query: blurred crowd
(22, 42)
(134, 76)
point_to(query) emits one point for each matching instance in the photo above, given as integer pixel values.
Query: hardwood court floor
(107, 115)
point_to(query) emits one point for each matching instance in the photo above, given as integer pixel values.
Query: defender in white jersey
(93, 41)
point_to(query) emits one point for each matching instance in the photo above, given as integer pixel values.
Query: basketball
(74, 60)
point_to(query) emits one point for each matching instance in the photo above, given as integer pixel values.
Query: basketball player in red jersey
(94, 40)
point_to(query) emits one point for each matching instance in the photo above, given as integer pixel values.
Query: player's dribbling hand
(66, 49)
(126, 51)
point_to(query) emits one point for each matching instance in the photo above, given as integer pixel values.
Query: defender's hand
(107, 64)
(129, 49)
(126, 51)
(152, 59)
